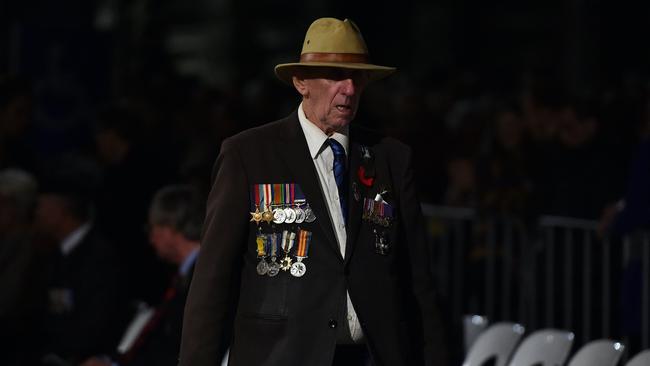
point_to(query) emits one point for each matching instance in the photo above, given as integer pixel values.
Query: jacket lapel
(354, 204)
(295, 153)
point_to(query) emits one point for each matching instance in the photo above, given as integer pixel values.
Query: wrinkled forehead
(331, 73)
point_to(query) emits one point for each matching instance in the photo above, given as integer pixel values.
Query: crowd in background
(524, 152)
(519, 109)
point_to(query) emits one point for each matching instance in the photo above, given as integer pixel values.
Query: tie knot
(337, 148)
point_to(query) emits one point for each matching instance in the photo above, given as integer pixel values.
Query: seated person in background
(82, 297)
(18, 190)
(153, 337)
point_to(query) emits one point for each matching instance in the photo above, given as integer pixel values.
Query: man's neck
(185, 249)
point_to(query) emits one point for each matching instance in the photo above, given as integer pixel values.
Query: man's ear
(300, 86)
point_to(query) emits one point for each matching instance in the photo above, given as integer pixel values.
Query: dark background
(207, 66)
(515, 108)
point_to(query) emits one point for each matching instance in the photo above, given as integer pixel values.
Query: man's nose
(349, 87)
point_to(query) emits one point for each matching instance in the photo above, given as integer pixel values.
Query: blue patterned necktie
(339, 174)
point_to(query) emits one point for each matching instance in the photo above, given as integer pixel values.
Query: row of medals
(272, 268)
(283, 215)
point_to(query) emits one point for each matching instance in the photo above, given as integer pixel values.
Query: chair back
(548, 347)
(641, 359)
(473, 325)
(497, 341)
(602, 352)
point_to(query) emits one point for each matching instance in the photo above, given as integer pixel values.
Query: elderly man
(313, 251)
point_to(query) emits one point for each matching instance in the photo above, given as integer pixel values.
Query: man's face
(162, 239)
(330, 95)
(50, 211)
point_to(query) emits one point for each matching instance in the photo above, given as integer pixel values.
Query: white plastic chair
(498, 340)
(473, 325)
(549, 347)
(641, 359)
(602, 352)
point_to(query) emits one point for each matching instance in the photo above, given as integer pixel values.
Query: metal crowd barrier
(554, 272)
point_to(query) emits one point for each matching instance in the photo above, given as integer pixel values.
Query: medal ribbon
(286, 195)
(288, 239)
(273, 244)
(261, 243)
(255, 195)
(264, 196)
(277, 195)
(298, 195)
(370, 206)
(388, 209)
(304, 238)
(268, 243)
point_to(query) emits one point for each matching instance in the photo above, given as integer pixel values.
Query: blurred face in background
(162, 238)
(49, 215)
(509, 130)
(111, 148)
(330, 95)
(575, 132)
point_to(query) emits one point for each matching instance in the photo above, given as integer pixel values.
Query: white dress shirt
(323, 158)
(74, 239)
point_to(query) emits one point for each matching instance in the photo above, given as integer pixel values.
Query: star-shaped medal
(267, 215)
(285, 263)
(256, 216)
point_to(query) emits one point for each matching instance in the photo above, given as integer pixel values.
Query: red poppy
(366, 181)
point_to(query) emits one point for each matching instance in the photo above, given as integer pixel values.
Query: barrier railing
(555, 272)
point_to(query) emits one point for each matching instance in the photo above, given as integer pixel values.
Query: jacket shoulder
(267, 132)
(373, 138)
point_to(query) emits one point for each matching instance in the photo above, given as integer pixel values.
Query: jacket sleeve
(422, 284)
(212, 296)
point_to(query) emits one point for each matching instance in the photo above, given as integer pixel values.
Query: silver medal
(309, 214)
(300, 215)
(298, 269)
(279, 216)
(290, 215)
(262, 268)
(274, 269)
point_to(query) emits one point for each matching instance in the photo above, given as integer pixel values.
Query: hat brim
(285, 72)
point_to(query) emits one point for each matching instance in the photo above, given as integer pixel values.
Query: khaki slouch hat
(330, 42)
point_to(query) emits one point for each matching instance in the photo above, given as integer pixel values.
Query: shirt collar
(188, 262)
(316, 138)
(74, 239)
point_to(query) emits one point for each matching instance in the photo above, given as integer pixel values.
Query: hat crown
(331, 35)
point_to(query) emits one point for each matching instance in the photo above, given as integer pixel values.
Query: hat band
(334, 57)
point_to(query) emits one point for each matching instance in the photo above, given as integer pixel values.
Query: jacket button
(332, 323)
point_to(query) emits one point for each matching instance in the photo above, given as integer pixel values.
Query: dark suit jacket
(160, 347)
(285, 320)
(91, 321)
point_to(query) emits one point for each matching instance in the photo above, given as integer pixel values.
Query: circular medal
(300, 215)
(262, 268)
(298, 269)
(309, 215)
(279, 216)
(290, 215)
(274, 269)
